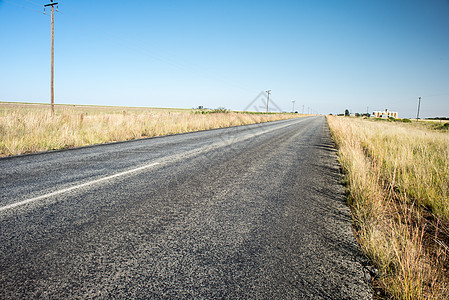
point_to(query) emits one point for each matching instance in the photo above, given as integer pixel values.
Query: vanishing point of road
(252, 212)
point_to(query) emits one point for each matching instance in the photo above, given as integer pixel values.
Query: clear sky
(326, 55)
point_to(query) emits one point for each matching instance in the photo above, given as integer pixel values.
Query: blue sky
(325, 55)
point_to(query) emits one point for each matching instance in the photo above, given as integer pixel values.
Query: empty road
(252, 211)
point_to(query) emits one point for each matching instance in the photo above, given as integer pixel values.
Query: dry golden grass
(28, 128)
(398, 177)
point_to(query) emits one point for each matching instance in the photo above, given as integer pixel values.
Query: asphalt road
(253, 212)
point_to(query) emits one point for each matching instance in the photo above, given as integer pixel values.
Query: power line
(137, 46)
(436, 95)
(167, 58)
(33, 3)
(164, 58)
(22, 6)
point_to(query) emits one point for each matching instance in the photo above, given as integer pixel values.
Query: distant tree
(357, 114)
(221, 109)
(347, 113)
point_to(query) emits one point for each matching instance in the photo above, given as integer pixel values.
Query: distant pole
(268, 98)
(293, 108)
(52, 101)
(419, 104)
(303, 109)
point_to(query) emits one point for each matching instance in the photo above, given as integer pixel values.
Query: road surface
(252, 211)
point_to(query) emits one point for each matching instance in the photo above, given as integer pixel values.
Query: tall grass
(30, 128)
(398, 177)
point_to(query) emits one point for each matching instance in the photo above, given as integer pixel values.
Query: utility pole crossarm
(51, 4)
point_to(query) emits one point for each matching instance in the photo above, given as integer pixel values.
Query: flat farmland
(28, 128)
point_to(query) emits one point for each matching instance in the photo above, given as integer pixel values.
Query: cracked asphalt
(253, 211)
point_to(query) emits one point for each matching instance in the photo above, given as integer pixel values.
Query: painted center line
(13, 205)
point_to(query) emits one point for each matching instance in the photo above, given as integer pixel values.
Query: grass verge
(28, 128)
(397, 177)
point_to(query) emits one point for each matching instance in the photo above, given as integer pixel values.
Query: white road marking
(13, 205)
(173, 158)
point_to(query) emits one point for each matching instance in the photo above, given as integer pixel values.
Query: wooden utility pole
(52, 57)
(268, 98)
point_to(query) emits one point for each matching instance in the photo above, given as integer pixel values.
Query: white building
(385, 114)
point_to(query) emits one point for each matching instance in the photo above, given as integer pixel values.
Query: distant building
(385, 114)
